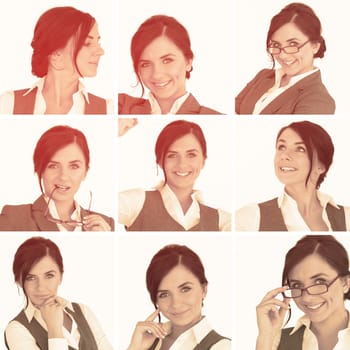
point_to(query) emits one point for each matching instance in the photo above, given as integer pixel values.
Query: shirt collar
(324, 199)
(279, 73)
(305, 321)
(31, 311)
(167, 193)
(40, 85)
(155, 108)
(198, 331)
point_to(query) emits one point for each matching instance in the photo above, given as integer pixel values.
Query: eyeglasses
(65, 222)
(315, 289)
(275, 50)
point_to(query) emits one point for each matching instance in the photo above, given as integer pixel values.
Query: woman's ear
(56, 60)
(189, 65)
(315, 47)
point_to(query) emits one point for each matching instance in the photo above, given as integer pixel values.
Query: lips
(161, 84)
(61, 188)
(286, 169)
(183, 174)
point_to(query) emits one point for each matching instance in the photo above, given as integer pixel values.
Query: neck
(58, 90)
(332, 325)
(176, 331)
(305, 196)
(166, 104)
(64, 209)
(184, 197)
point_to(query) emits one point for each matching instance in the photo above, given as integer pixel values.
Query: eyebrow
(45, 273)
(70, 162)
(321, 274)
(92, 37)
(296, 143)
(288, 40)
(187, 151)
(179, 287)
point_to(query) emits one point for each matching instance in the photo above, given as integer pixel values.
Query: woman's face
(183, 162)
(296, 63)
(89, 55)
(315, 270)
(180, 296)
(42, 281)
(162, 68)
(87, 59)
(292, 163)
(65, 171)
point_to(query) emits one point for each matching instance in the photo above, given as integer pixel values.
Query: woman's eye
(144, 65)
(293, 43)
(301, 149)
(171, 155)
(185, 289)
(162, 295)
(52, 166)
(295, 285)
(275, 45)
(320, 281)
(75, 166)
(281, 147)
(30, 278)
(192, 155)
(167, 60)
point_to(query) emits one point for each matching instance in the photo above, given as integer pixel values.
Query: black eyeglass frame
(280, 49)
(325, 285)
(48, 216)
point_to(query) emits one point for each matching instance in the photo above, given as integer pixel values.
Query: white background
(18, 137)
(255, 139)
(209, 25)
(259, 260)
(135, 254)
(252, 21)
(88, 276)
(17, 22)
(137, 161)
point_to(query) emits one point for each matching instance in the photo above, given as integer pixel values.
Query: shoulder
(247, 218)
(7, 101)
(223, 344)
(192, 106)
(16, 209)
(132, 105)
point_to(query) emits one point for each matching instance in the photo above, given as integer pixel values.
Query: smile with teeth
(63, 188)
(286, 168)
(314, 307)
(182, 173)
(161, 84)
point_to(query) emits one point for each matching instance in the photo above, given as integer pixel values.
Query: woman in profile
(316, 277)
(177, 286)
(162, 59)
(61, 162)
(66, 48)
(294, 40)
(181, 152)
(304, 154)
(48, 321)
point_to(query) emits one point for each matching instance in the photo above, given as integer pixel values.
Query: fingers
(152, 329)
(153, 315)
(95, 222)
(124, 124)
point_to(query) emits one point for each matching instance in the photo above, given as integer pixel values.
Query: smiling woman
(47, 320)
(61, 162)
(65, 48)
(162, 59)
(174, 205)
(316, 276)
(177, 286)
(294, 40)
(303, 156)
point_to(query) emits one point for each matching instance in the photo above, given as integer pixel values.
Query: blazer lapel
(38, 210)
(190, 106)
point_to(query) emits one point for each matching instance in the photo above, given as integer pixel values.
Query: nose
(64, 173)
(157, 70)
(285, 155)
(175, 301)
(282, 55)
(40, 285)
(99, 51)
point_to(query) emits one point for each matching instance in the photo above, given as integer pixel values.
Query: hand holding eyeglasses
(95, 222)
(271, 313)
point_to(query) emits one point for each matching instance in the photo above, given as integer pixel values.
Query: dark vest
(154, 217)
(205, 344)
(86, 342)
(291, 342)
(271, 218)
(25, 104)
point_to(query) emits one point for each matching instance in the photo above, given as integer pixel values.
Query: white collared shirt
(193, 336)
(19, 338)
(130, 204)
(155, 108)
(248, 217)
(76, 215)
(277, 90)
(310, 340)
(80, 97)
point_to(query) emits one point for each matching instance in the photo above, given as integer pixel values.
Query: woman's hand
(52, 313)
(124, 124)
(95, 222)
(270, 317)
(146, 332)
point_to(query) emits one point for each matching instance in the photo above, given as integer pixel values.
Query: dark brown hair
(52, 141)
(53, 30)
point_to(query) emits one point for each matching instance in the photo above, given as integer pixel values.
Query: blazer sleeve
(17, 218)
